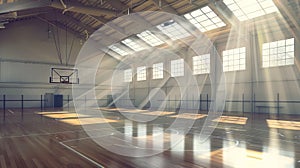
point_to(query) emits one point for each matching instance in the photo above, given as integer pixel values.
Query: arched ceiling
(83, 17)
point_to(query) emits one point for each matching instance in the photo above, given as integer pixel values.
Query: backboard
(64, 75)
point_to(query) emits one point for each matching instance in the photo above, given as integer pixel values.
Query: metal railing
(203, 103)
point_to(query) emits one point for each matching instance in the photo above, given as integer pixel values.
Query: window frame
(272, 48)
(158, 72)
(141, 73)
(178, 63)
(126, 74)
(201, 64)
(232, 57)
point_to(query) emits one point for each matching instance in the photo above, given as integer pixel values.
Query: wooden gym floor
(55, 138)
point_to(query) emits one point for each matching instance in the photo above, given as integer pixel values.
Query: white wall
(27, 52)
(33, 40)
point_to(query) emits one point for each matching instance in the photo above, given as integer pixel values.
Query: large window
(278, 53)
(128, 75)
(201, 64)
(132, 44)
(118, 50)
(141, 73)
(204, 19)
(248, 9)
(177, 68)
(150, 38)
(173, 30)
(234, 59)
(158, 71)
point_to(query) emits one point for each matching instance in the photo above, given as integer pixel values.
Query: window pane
(201, 64)
(141, 73)
(177, 68)
(132, 44)
(281, 53)
(204, 19)
(248, 9)
(118, 50)
(234, 59)
(128, 75)
(158, 72)
(173, 30)
(150, 38)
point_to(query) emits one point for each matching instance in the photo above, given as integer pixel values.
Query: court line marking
(82, 155)
(11, 111)
(236, 142)
(50, 133)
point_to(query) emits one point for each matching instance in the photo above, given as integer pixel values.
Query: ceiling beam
(99, 19)
(61, 26)
(68, 18)
(23, 5)
(289, 15)
(104, 39)
(11, 15)
(117, 4)
(129, 29)
(140, 24)
(110, 24)
(81, 8)
(164, 6)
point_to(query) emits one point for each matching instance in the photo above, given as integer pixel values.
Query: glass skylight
(204, 19)
(173, 30)
(132, 44)
(249, 9)
(150, 38)
(118, 50)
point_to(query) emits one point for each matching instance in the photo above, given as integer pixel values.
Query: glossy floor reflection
(57, 139)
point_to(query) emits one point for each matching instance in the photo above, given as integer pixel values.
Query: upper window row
(201, 65)
(177, 69)
(277, 53)
(204, 19)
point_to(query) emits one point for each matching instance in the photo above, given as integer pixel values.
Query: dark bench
(266, 108)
